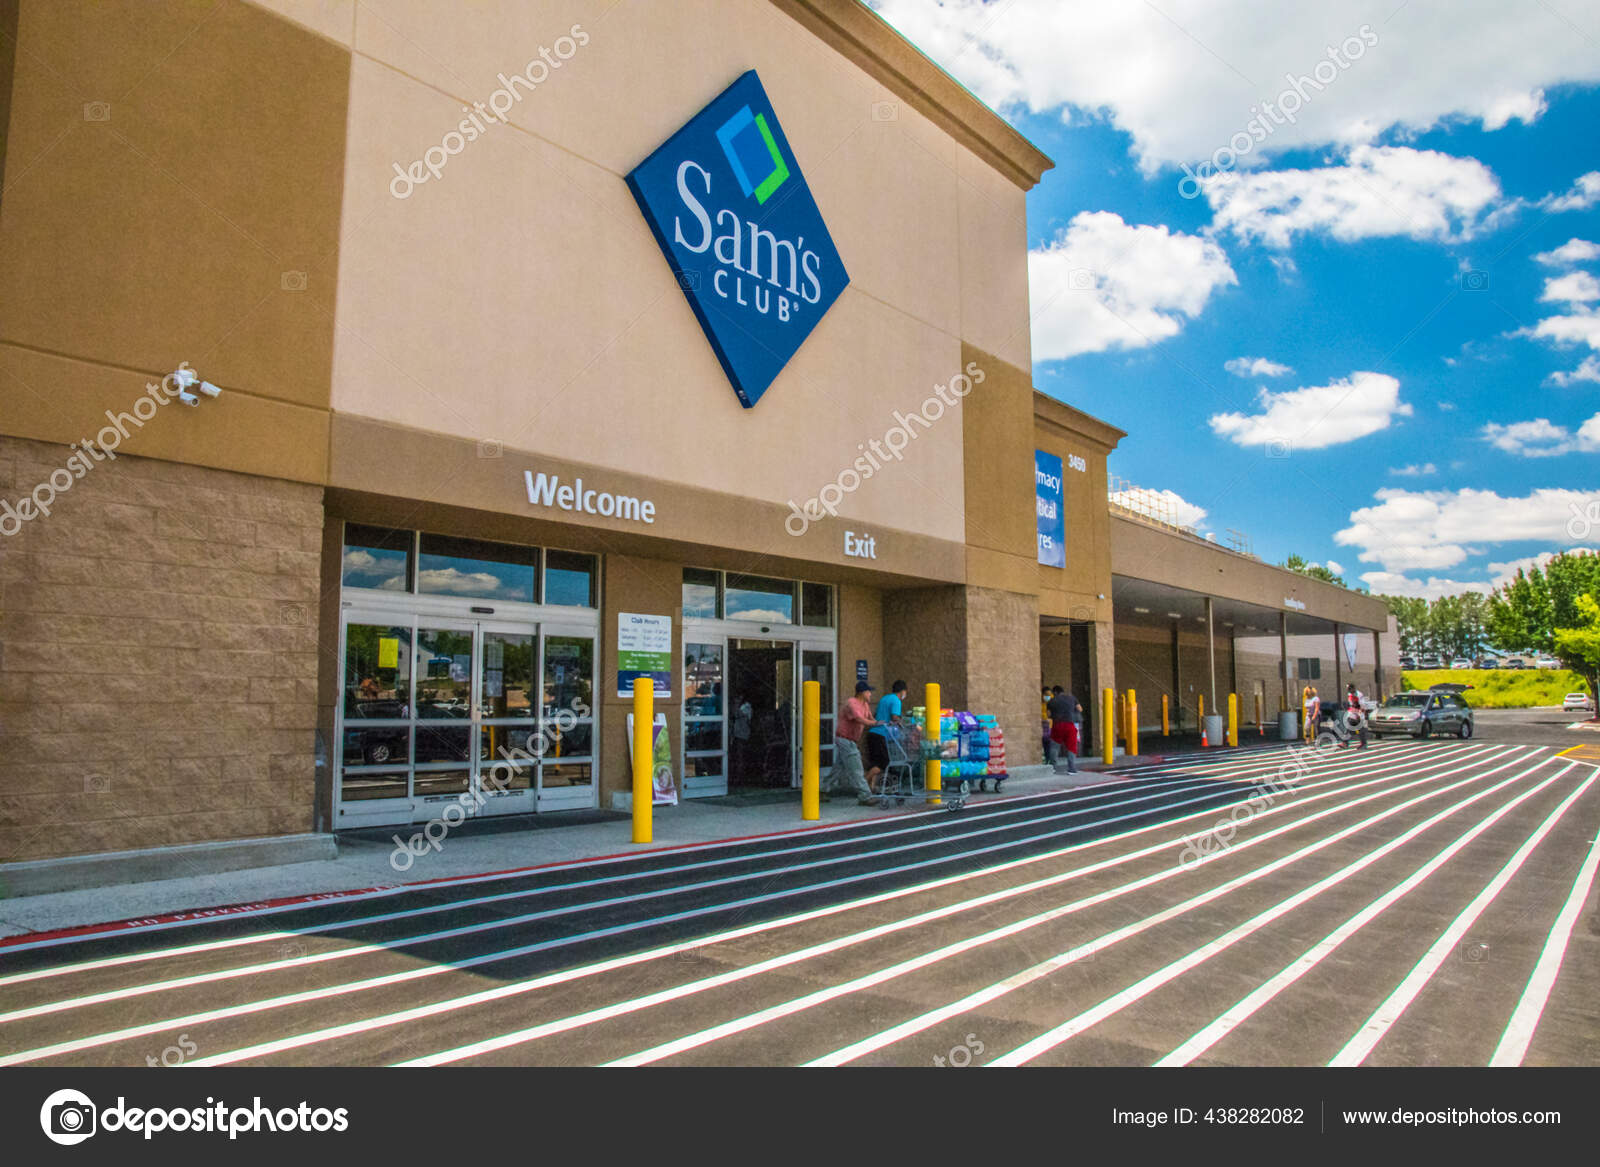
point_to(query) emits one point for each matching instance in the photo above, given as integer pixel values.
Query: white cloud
(1103, 284)
(1380, 191)
(1572, 288)
(1317, 416)
(1335, 566)
(1414, 471)
(1389, 583)
(1589, 370)
(1431, 530)
(1504, 573)
(1581, 326)
(1585, 193)
(1541, 438)
(1167, 505)
(1256, 367)
(1573, 251)
(1200, 71)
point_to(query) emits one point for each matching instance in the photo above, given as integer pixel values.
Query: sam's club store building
(693, 344)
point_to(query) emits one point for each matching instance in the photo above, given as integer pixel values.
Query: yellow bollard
(930, 732)
(1108, 704)
(1133, 724)
(644, 717)
(1166, 728)
(1233, 719)
(811, 751)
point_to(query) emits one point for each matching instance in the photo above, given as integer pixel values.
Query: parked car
(1430, 662)
(1408, 662)
(1547, 662)
(1515, 662)
(1424, 713)
(1577, 703)
(1488, 662)
(1461, 662)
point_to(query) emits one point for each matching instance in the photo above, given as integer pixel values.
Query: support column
(1211, 655)
(1377, 667)
(1177, 677)
(1283, 657)
(1338, 663)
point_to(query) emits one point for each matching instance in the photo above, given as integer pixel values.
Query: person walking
(1064, 715)
(1311, 706)
(888, 713)
(847, 775)
(1356, 714)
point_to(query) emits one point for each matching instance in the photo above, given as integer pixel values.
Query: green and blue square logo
(730, 209)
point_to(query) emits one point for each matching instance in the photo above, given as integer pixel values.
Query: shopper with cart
(877, 738)
(847, 775)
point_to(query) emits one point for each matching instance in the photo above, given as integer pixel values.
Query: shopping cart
(902, 778)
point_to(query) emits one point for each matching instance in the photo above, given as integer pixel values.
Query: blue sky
(1415, 388)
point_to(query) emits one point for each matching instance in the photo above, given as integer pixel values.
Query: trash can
(1289, 726)
(1216, 729)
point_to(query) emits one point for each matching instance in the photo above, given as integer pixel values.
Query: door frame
(401, 610)
(804, 638)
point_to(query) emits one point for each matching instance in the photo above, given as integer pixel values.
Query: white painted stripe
(505, 922)
(1119, 1001)
(1077, 808)
(1249, 1005)
(527, 893)
(1385, 1015)
(1524, 1021)
(505, 991)
(444, 967)
(679, 992)
(750, 1021)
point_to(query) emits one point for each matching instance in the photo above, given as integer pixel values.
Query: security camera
(188, 399)
(209, 389)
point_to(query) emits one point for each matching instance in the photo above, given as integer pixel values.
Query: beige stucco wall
(521, 297)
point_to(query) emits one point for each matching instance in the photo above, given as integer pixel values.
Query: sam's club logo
(726, 201)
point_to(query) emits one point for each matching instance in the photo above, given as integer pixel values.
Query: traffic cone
(1204, 744)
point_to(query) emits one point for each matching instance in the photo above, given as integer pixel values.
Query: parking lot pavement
(1418, 903)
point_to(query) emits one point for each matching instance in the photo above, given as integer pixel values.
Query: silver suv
(1424, 714)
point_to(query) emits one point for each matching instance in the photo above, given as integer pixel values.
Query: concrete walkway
(369, 859)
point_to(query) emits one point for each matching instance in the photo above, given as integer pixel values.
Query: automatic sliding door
(567, 719)
(375, 750)
(705, 771)
(507, 728)
(444, 722)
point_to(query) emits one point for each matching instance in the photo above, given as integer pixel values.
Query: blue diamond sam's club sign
(731, 210)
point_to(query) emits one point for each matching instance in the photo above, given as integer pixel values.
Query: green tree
(1520, 613)
(1411, 617)
(1298, 565)
(1579, 644)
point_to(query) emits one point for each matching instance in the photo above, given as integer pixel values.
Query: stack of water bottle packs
(971, 747)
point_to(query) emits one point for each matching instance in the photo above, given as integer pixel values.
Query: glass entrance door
(495, 715)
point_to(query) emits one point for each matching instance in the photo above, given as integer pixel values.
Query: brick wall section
(925, 639)
(158, 657)
(980, 644)
(1003, 667)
